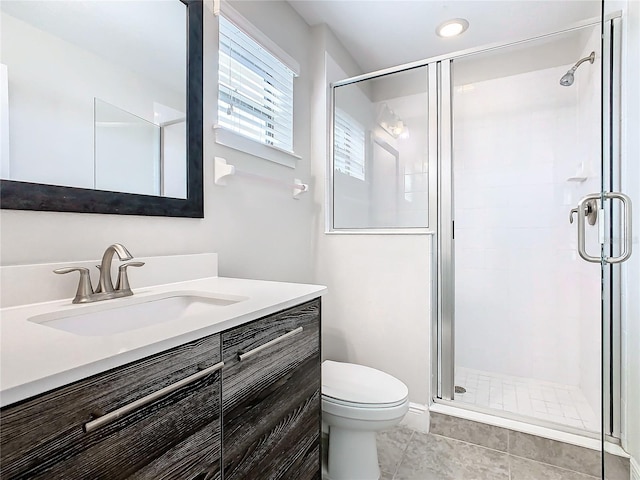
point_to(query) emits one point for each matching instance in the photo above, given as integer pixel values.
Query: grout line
(404, 451)
(468, 443)
(554, 466)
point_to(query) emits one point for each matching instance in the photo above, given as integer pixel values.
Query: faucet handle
(84, 286)
(122, 283)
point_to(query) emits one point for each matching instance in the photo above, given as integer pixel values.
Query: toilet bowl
(357, 402)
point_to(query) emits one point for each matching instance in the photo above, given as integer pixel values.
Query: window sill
(243, 144)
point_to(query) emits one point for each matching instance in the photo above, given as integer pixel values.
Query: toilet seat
(358, 386)
(346, 403)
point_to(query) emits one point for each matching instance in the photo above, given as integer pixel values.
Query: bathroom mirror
(111, 131)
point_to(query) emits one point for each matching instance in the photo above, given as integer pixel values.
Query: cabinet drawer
(173, 436)
(271, 398)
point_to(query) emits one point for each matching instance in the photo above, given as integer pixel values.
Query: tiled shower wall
(526, 304)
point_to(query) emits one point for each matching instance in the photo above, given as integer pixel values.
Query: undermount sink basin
(131, 313)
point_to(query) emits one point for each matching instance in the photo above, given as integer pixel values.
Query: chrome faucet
(105, 289)
(106, 284)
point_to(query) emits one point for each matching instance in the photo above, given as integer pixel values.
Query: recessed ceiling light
(451, 28)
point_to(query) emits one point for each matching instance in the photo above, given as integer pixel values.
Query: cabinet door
(271, 399)
(176, 436)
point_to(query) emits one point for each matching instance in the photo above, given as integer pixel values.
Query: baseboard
(635, 469)
(417, 418)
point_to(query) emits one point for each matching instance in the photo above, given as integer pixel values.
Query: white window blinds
(255, 95)
(348, 146)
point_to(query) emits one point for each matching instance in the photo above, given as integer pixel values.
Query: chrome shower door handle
(585, 207)
(626, 227)
(582, 214)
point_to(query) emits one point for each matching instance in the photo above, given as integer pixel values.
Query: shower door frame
(443, 287)
(612, 278)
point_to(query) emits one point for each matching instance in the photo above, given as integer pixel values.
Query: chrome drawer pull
(244, 355)
(141, 402)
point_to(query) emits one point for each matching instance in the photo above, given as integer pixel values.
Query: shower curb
(532, 447)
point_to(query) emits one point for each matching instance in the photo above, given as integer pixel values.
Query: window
(348, 146)
(255, 94)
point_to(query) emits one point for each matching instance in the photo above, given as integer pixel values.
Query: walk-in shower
(499, 159)
(526, 306)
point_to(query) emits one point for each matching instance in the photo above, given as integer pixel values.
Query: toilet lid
(359, 384)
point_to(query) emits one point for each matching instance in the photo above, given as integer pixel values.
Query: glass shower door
(527, 309)
(533, 232)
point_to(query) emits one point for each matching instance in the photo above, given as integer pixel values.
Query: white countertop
(35, 358)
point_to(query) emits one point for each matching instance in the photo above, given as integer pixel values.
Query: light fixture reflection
(392, 123)
(451, 28)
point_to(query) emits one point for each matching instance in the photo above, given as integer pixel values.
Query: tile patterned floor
(408, 455)
(548, 401)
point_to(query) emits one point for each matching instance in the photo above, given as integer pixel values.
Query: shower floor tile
(553, 402)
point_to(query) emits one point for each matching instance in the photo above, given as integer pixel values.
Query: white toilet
(358, 401)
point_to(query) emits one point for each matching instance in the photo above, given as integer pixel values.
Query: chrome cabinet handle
(244, 355)
(141, 402)
(626, 227)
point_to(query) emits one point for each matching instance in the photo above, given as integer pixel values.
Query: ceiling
(384, 33)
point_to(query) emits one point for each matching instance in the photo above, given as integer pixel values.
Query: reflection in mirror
(137, 156)
(61, 55)
(127, 151)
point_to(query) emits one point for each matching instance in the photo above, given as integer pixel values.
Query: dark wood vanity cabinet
(176, 436)
(271, 397)
(268, 404)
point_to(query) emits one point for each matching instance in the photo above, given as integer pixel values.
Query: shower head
(567, 78)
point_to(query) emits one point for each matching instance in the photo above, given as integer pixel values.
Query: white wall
(258, 230)
(377, 310)
(523, 296)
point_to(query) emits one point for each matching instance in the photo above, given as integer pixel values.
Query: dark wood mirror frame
(35, 196)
